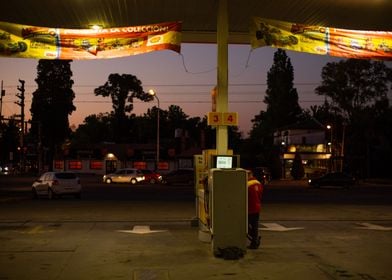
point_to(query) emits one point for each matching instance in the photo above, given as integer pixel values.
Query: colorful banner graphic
(55, 43)
(321, 40)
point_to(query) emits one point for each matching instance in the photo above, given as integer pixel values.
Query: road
(144, 232)
(279, 191)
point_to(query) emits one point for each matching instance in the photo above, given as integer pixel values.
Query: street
(145, 232)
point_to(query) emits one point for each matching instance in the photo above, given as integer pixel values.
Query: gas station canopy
(199, 17)
(203, 21)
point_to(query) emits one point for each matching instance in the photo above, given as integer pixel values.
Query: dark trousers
(253, 229)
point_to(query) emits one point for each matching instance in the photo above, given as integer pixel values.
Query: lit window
(96, 164)
(75, 164)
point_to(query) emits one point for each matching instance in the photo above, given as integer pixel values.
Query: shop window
(75, 164)
(96, 164)
(140, 164)
(163, 165)
(59, 164)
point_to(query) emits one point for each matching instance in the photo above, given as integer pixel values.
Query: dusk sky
(184, 79)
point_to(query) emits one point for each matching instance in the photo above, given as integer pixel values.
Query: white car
(124, 175)
(53, 184)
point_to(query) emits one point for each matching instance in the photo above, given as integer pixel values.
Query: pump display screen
(224, 161)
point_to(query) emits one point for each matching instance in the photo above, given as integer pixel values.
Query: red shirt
(255, 191)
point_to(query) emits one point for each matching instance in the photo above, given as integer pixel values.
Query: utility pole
(39, 148)
(21, 103)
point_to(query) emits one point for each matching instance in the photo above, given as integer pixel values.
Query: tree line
(356, 104)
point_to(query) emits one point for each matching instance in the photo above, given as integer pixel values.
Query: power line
(186, 85)
(162, 93)
(176, 101)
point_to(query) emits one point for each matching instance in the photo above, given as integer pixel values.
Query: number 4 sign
(223, 118)
(230, 118)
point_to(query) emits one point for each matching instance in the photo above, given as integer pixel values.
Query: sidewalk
(378, 181)
(303, 183)
(288, 183)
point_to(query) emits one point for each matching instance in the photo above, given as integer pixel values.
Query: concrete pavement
(72, 239)
(310, 242)
(108, 251)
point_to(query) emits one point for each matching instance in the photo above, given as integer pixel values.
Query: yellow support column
(222, 98)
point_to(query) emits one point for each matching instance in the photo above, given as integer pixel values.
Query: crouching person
(255, 192)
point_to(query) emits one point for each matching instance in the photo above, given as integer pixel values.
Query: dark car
(179, 177)
(151, 176)
(333, 179)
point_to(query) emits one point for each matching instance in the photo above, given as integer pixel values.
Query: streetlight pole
(152, 93)
(329, 127)
(331, 147)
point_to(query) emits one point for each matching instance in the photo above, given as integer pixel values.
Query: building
(105, 158)
(311, 140)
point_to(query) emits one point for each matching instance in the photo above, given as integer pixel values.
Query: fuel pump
(227, 207)
(221, 202)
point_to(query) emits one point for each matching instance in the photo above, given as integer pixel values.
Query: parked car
(53, 184)
(124, 175)
(333, 179)
(151, 176)
(263, 174)
(180, 177)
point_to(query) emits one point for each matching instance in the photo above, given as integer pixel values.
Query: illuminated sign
(57, 43)
(223, 118)
(321, 40)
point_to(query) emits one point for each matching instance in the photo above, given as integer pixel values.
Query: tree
(177, 127)
(52, 103)
(356, 93)
(297, 171)
(95, 129)
(176, 116)
(122, 89)
(175, 120)
(9, 140)
(323, 113)
(281, 98)
(142, 129)
(282, 108)
(207, 134)
(353, 85)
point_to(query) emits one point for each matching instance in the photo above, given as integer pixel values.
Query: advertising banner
(321, 40)
(56, 43)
